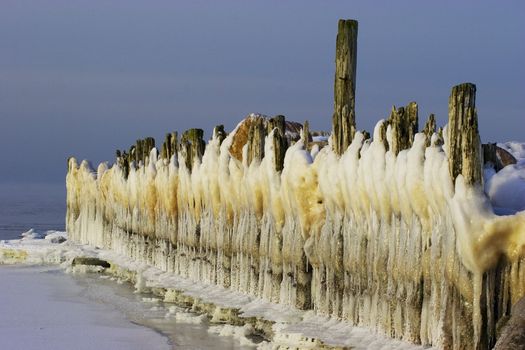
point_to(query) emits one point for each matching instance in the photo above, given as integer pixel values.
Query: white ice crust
(395, 219)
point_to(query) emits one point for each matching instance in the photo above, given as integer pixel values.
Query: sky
(83, 78)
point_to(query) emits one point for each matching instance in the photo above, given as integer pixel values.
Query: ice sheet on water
(42, 309)
(187, 330)
(293, 325)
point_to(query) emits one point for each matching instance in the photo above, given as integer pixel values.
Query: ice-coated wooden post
(280, 142)
(219, 132)
(404, 125)
(430, 128)
(343, 120)
(464, 145)
(149, 144)
(123, 162)
(192, 146)
(138, 152)
(305, 134)
(255, 141)
(169, 147)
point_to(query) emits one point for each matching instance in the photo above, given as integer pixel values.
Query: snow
(506, 188)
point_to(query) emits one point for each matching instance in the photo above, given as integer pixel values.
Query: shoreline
(43, 308)
(229, 313)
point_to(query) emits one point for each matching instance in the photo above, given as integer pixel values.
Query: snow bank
(506, 188)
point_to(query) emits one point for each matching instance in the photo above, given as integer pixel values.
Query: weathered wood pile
(377, 231)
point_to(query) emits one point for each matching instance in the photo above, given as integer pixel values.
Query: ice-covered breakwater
(392, 232)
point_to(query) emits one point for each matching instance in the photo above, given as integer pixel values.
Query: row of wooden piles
(466, 154)
(464, 149)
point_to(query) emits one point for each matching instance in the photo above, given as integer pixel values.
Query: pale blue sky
(83, 78)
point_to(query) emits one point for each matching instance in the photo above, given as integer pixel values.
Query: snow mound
(506, 188)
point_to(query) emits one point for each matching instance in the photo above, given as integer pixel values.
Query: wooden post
(123, 162)
(430, 128)
(192, 146)
(255, 141)
(165, 150)
(149, 144)
(279, 140)
(404, 125)
(173, 144)
(343, 120)
(382, 134)
(169, 147)
(220, 133)
(132, 154)
(305, 135)
(464, 146)
(138, 152)
(412, 120)
(279, 122)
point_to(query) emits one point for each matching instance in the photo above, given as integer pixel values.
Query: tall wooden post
(464, 145)
(343, 120)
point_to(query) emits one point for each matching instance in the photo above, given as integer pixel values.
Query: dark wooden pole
(192, 146)
(430, 128)
(464, 146)
(169, 147)
(404, 125)
(256, 135)
(305, 134)
(343, 120)
(280, 143)
(219, 132)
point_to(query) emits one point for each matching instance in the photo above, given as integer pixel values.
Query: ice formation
(384, 241)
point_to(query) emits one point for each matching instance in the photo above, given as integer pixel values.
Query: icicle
(383, 240)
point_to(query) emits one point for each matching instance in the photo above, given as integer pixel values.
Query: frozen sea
(42, 307)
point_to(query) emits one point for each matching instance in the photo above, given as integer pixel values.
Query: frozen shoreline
(42, 308)
(235, 314)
